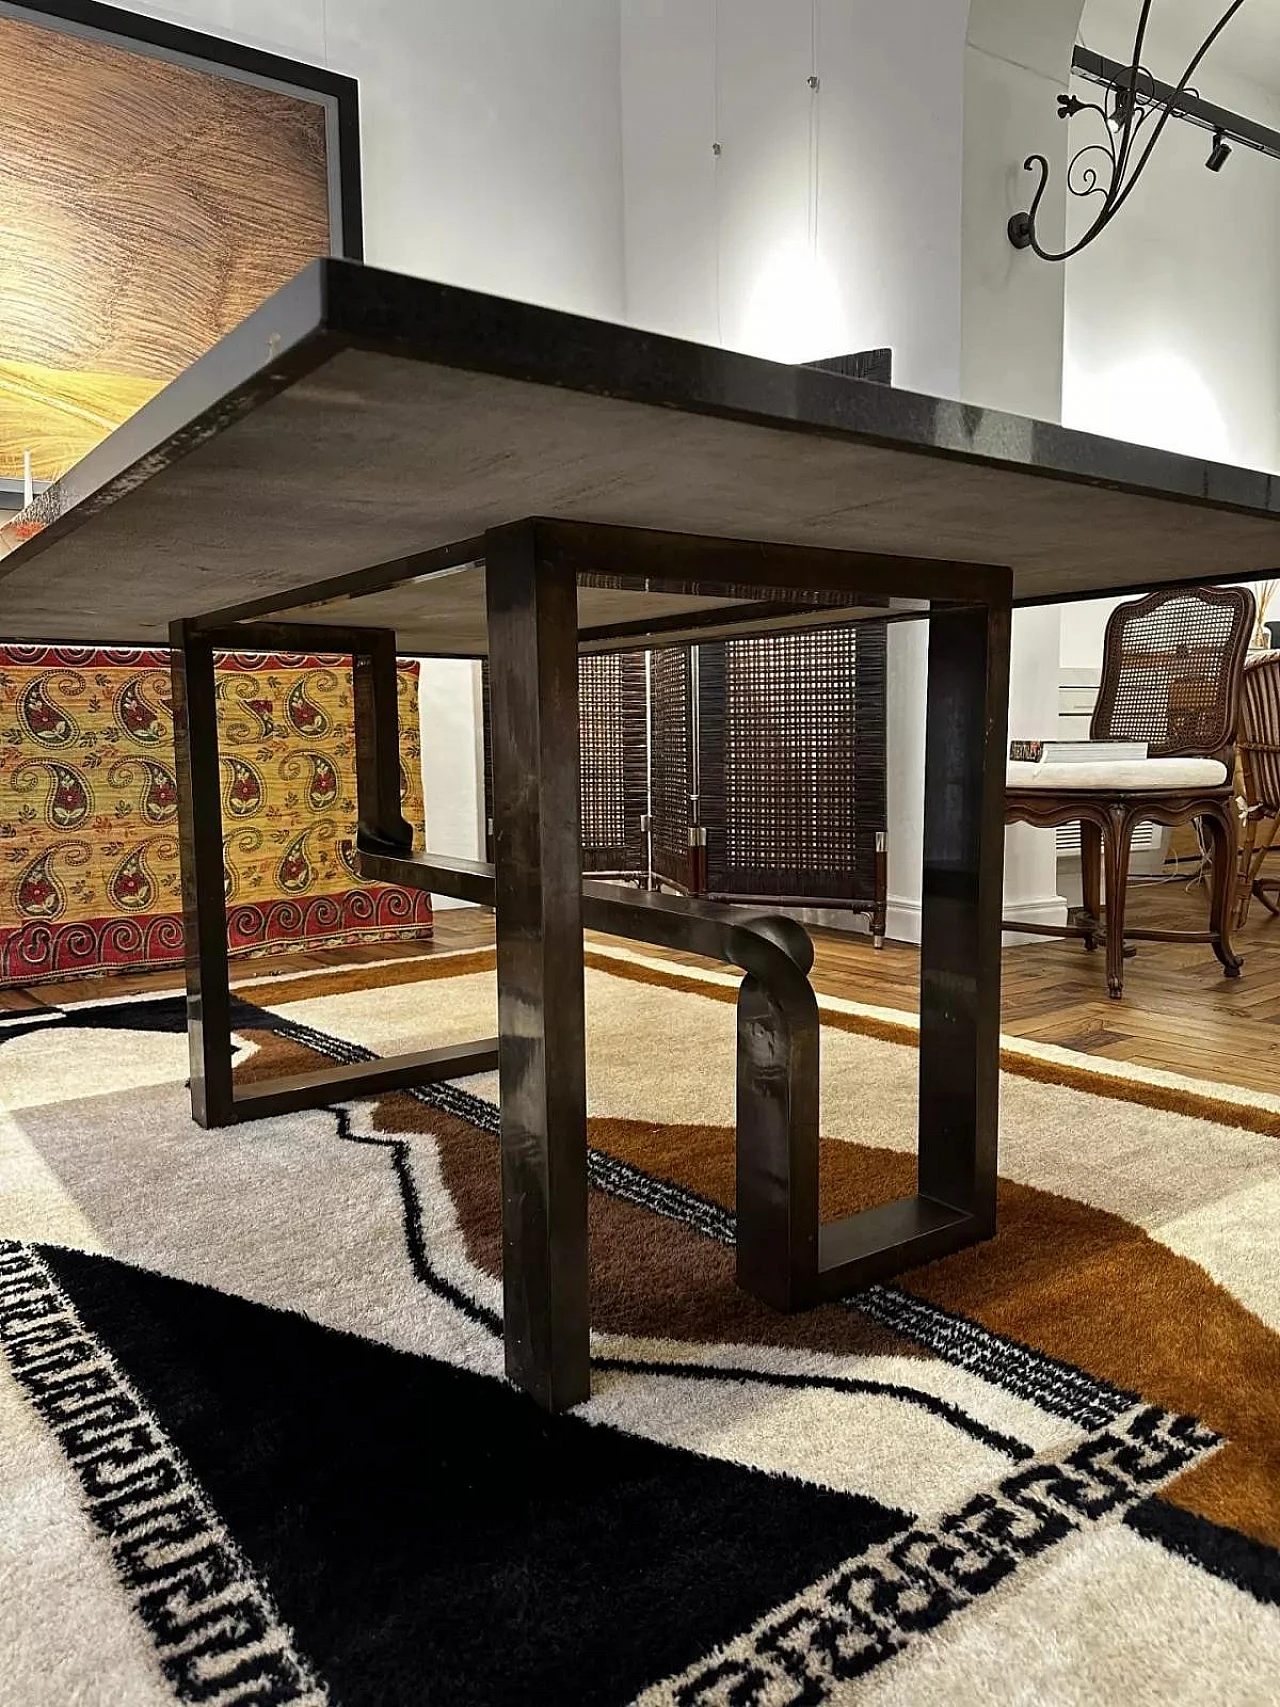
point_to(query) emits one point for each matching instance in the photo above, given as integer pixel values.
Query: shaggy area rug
(256, 1447)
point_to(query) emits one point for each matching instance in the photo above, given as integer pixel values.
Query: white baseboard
(1049, 910)
(903, 917)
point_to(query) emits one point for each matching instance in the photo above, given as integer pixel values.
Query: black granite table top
(360, 416)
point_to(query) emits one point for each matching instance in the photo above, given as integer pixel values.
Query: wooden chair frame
(1108, 818)
(1259, 766)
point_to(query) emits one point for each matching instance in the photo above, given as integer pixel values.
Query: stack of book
(1077, 752)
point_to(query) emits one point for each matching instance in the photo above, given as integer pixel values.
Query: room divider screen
(612, 710)
(790, 737)
(741, 770)
(673, 790)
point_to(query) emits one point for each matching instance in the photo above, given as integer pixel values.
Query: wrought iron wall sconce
(1110, 169)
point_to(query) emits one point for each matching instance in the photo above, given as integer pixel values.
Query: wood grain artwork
(145, 209)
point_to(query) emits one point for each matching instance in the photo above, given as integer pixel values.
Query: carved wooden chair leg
(1223, 834)
(1117, 840)
(1244, 882)
(1091, 883)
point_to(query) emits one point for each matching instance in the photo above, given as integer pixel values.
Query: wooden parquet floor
(1178, 1013)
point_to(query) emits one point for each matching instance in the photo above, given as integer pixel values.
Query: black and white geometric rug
(255, 1446)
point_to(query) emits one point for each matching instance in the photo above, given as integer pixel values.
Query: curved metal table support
(785, 1257)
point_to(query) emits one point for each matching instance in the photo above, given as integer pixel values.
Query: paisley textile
(88, 810)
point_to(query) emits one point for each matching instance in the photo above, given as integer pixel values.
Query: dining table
(373, 464)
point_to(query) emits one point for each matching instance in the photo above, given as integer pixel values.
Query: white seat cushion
(1120, 775)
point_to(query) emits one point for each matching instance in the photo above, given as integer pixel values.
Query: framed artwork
(156, 186)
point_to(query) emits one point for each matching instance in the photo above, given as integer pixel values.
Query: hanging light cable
(1134, 102)
(715, 160)
(815, 83)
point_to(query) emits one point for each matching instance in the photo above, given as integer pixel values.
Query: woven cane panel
(671, 782)
(615, 781)
(1169, 673)
(792, 776)
(1260, 734)
(614, 762)
(791, 738)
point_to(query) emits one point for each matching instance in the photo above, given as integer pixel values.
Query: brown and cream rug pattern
(255, 1444)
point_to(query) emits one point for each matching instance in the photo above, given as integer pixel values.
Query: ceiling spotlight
(1220, 153)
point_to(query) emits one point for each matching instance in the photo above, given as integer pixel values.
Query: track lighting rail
(1110, 73)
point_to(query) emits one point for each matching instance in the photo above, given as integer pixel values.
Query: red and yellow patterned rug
(88, 810)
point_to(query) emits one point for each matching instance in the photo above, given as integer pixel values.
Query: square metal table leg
(955, 1199)
(533, 663)
(215, 1099)
(195, 733)
(966, 746)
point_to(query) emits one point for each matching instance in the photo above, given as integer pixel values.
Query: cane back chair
(1171, 676)
(1259, 779)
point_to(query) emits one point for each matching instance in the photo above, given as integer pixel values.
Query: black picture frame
(218, 53)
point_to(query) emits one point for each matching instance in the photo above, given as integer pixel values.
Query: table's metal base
(784, 1256)
(215, 1099)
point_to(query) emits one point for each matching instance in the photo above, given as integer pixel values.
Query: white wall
(1172, 317)
(671, 235)
(492, 157)
(492, 148)
(1173, 314)
(830, 221)
(1168, 326)
(1017, 59)
(451, 724)
(870, 211)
